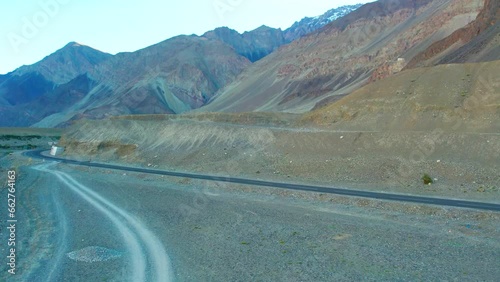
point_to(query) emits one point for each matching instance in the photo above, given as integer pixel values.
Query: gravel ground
(224, 232)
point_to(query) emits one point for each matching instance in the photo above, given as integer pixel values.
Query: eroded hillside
(453, 98)
(385, 137)
(370, 43)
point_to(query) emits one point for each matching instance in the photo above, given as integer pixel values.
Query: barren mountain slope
(451, 98)
(260, 42)
(173, 76)
(443, 121)
(22, 90)
(479, 41)
(344, 55)
(265, 146)
(53, 101)
(65, 64)
(30, 82)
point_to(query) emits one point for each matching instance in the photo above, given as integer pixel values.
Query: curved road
(291, 186)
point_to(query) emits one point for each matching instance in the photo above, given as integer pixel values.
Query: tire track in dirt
(142, 244)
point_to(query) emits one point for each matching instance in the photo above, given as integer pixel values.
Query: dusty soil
(381, 161)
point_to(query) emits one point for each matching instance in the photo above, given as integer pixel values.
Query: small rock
(94, 254)
(341, 137)
(438, 161)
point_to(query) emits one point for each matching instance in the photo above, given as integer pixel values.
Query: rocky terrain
(370, 43)
(218, 232)
(478, 41)
(451, 98)
(441, 121)
(407, 122)
(396, 97)
(340, 53)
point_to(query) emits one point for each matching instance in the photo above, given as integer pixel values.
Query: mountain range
(371, 43)
(258, 43)
(313, 63)
(173, 76)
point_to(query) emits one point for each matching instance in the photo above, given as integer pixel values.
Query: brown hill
(370, 43)
(452, 98)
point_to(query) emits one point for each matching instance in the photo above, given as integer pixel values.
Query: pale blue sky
(32, 29)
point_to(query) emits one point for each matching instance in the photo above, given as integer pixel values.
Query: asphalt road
(290, 186)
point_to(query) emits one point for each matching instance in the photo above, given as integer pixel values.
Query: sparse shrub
(427, 179)
(31, 146)
(106, 145)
